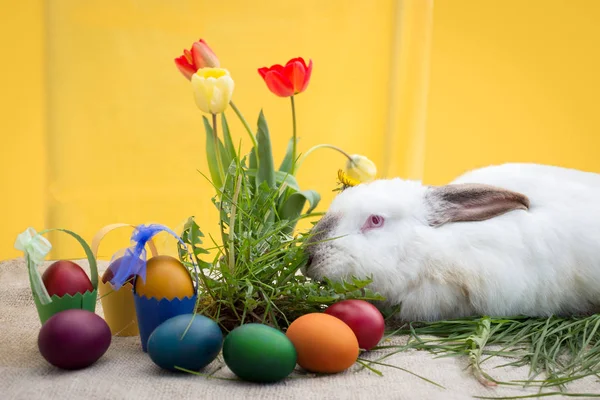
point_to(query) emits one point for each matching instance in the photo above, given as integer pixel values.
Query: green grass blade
(368, 362)
(537, 395)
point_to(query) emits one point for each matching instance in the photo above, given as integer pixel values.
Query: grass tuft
(255, 271)
(557, 350)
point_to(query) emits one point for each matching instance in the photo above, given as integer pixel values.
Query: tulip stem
(330, 146)
(217, 152)
(294, 133)
(245, 123)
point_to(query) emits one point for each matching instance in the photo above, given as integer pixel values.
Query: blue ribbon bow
(133, 261)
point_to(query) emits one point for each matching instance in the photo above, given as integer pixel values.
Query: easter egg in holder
(118, 304)
(36, 248)
(163, 287)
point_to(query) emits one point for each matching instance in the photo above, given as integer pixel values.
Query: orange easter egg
(323, 343)
(166, 277)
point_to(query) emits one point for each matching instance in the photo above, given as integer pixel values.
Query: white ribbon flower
(35, 246)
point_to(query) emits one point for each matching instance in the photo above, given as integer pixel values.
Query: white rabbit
(514, 239)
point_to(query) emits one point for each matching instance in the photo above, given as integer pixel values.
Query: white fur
(536, 262)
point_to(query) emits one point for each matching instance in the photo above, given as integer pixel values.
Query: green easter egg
(259, 353)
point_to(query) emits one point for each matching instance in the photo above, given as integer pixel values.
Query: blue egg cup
(152, 312)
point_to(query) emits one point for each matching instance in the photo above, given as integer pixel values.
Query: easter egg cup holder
(119, 310)
(118, 305)
(86, 301)
(152, 312)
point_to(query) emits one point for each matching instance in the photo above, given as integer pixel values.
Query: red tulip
(288, 80)
(200, 56)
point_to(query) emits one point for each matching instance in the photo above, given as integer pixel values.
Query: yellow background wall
(98, 126)
(513, 80)
(22, 122)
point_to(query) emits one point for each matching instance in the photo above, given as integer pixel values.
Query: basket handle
(35, 279)
(108, 228)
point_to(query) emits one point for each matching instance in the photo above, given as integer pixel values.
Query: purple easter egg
(74, 339)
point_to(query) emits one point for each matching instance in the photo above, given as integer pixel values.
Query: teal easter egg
(185, 341)
(259, 353)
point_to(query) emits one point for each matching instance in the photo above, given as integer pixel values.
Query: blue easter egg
(179, 343)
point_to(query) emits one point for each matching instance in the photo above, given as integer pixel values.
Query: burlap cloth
(125, 372)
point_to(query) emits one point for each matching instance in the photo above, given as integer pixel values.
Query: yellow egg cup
(85, 301)
(118, 305)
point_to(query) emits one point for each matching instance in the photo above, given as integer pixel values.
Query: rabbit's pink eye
(374, 221)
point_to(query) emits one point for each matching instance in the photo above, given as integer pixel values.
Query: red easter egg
(365, 320)
(65, 277)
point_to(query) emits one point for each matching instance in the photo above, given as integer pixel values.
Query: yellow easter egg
(166, 277)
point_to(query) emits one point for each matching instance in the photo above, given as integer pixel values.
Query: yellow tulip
(212, 88)
(361, 168)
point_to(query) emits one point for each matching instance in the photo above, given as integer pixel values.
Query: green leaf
(266, 169)
(253, 165)
(211, 156)
(191, 232)
(229, 147)
(344, 286)
(280, 178)
(292, 207)
(193, 235)
(253, 161)
(225, 159)
(286, 164)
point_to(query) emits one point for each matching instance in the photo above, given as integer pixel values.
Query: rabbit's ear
(471, 202)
